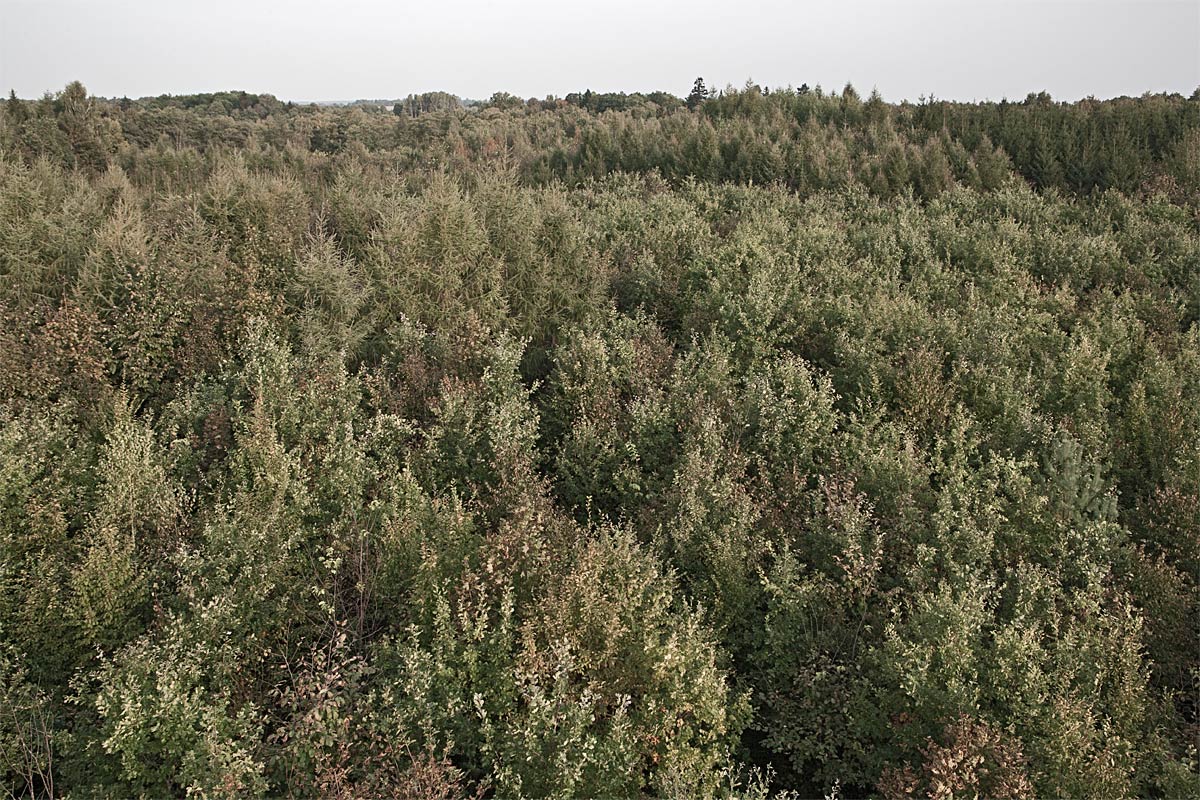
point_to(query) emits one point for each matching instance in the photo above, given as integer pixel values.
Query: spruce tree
(14, 109)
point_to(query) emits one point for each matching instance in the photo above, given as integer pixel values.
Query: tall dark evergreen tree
(14, 109)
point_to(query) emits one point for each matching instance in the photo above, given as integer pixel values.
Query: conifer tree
(14, 109)
(698, 94)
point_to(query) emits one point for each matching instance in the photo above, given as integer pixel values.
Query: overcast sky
(325, 50)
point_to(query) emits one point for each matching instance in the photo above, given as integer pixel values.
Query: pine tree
(14, 109)
(1046, 170)
(78, 119)
(699, 94)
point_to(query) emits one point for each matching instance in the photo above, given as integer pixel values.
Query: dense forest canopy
(755, 443)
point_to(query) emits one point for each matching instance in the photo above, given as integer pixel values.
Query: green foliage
(614, 446)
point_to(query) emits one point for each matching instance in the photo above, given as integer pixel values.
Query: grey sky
(304, 49)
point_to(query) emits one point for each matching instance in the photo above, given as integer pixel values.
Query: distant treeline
(805, 139)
